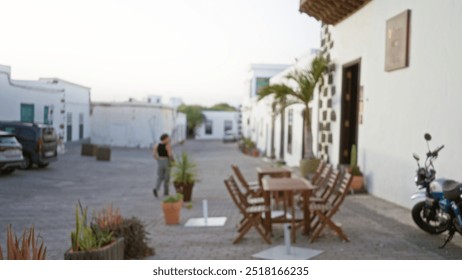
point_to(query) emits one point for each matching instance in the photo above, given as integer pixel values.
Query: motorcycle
(440, 199)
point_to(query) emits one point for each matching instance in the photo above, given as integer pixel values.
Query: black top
(162, 150)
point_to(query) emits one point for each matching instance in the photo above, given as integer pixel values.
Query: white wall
(293, 158)
(259, 129)
(400, 106)
(130, 125)
(77, 103)
(14, 93)
(218, 118)
(179, 132)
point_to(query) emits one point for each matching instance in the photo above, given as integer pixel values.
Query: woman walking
(163, 154)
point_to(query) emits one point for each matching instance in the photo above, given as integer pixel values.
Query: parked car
(229, 137)
(39, 142)
(10, 153)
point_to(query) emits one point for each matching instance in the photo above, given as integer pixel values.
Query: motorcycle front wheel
(422, 216)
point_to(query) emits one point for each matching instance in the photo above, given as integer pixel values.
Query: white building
(77, 106)
(52, 101)
(216, 124)
(256, 116)
(291, 135)
(394, 75)
(135, 124)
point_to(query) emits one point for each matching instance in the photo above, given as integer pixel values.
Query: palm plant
(184, 170)
(306, 81)
(184, 176)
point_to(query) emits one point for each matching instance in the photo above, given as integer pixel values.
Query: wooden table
(272, 172)
(288, 186)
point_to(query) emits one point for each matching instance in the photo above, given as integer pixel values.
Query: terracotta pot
(185, 190)
(357, 183)
(172, 212)
(112, 251)
(308, 166)
(255, 153)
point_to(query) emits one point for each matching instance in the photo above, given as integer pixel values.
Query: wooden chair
(252, 213)
(252, 188)
(320, 180)
(323, 194)
(323, 212)
(318, 171)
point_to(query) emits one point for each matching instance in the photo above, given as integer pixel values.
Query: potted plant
(171, 207)
(132, 230)
(89, 242)
(89, 149)
(247, 146)
(27, 247)
(306, 82)
(357, 182)
(184, 176)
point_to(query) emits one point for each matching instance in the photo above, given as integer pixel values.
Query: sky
(198, 50)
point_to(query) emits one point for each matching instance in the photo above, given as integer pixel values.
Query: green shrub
(173, 198)
(135, 238)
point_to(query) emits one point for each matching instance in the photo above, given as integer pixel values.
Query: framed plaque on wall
(397, 41)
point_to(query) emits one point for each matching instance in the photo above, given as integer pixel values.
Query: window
(81, 126)
(208, 127)
(8, 140)
(46, 113)
(261, 83)
(27, 113)
(9, 129)
(26, 134)
(228, 125)
(290, 130)
(69, 127)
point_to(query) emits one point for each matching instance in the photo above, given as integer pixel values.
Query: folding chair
(252, 213)
(318, 171)
(323, 194)
(323, 212)
(252, 188)
(320, 180)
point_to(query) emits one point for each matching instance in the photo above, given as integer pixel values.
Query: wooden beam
(331, 11)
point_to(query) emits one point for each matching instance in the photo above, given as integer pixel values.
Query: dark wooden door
(350, 107)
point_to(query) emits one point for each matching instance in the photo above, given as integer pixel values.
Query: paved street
(46, 198)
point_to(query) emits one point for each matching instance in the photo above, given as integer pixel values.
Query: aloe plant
(108, 217)
(87, 237)
(26, 248)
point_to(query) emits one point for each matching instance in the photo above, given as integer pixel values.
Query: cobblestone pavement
(46, 198)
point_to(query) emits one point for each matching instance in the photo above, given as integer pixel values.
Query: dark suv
(39, 142)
